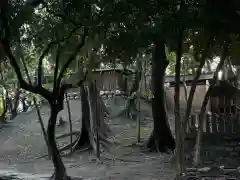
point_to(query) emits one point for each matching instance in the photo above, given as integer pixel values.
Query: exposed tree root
(69, 153)
(134, 145)
(64, 148)
(84, 146)
(89, 100)
(68, 134)
(162, 145)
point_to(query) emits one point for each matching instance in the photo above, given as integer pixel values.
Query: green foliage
(118, 31)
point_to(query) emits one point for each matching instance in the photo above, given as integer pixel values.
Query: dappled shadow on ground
(22, 142)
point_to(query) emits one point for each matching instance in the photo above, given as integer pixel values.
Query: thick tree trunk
(161, 138)
(60, 171)
(178, 120)
(84, 139)
(88, 134)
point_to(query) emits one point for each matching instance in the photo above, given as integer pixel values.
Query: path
(21, 141)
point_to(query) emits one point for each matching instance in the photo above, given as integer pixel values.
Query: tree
(54, 97)
(225, 53)
(10, 89)
(135, 31)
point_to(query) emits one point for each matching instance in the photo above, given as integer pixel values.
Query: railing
(220, 124)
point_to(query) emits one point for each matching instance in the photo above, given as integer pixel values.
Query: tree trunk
(84, 139)
(15, 103)
(60, 171)
(184, 82)
(178, 120)
(161, 138)
(131, 104)
(131, 108)
(194, 84)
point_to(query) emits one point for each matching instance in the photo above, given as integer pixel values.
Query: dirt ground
(22, 142)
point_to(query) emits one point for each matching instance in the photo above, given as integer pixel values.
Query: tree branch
(23, 84)
(194, 83)
(56, 68)
(70, 59)
(40, 61)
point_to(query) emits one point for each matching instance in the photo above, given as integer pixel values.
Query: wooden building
(113, 79)
(225, 98)
(201, 89)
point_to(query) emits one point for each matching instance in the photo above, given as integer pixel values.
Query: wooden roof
(123, 71)
(224, 88)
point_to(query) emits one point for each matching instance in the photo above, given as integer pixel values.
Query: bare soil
(22, 142)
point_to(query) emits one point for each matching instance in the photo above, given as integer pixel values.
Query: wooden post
(97, 116)
(237, 128)
(138, 119)
(188, 126)
(214, 123)
(70, 122)
(139, 109)
(208, 118)
(221, 124)
(192, 123)
(228, 123)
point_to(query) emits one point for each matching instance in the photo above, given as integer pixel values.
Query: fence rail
(227, 125)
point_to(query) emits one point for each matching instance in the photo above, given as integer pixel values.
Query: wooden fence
(220, 125)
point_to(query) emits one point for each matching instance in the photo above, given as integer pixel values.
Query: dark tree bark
(60, 171)
(178, 121)
(87, 138)
(84, 137)
(161, 138)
